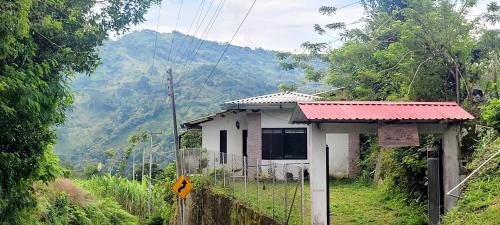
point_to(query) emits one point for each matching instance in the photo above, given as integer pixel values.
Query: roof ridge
(447, 103)
(285, 94)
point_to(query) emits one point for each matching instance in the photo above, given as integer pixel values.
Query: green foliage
(490, 114)
(287, 87)
(62, 203)
(133, 141)
(406, 50)
(133, 196)
(402, 170)
(42, 44)
(480, 200)
(191, 139)
(62, 211)
(92, 170)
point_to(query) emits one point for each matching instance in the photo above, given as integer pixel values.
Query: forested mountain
(127, 94)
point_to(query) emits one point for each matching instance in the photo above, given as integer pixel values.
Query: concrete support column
(254, 142)
(451, 169)
(318, 185)
(353, 155)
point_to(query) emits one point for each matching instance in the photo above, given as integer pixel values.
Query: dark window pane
(245, 138)
(295, 144)
(272, 143)
(223, 146)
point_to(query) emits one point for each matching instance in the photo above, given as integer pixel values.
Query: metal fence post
(285, 169)
(274, 181)
(188, 164)
(245, 174)
(257, 177)
(200, 170)
(232, 172)
(302, 194)
(215, 170)
(224, 164)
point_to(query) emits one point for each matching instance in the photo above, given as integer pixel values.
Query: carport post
(317, 183)
(433, 186)
(327, 165)
(451, 170)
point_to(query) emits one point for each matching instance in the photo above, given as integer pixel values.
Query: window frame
(267, 155)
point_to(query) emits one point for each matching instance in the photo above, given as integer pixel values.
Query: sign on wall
(398, 135)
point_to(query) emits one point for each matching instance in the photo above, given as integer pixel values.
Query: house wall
(271, 118)
(211, 131)
(339, 155)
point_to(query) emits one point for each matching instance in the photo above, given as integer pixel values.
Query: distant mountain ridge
(126, 94)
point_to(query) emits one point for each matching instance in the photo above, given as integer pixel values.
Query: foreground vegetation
(63, 202)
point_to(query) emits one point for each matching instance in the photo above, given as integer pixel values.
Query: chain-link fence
(274, 188)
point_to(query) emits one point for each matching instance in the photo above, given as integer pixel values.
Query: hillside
(125, 94)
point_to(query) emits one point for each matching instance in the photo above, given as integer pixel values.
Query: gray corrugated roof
(276, 98)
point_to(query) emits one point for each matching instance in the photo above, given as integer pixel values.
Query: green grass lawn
(350, 202)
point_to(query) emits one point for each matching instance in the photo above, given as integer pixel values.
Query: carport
(397, 124)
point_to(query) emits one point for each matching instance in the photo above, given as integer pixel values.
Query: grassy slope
(63, 202)
(350, 203)
(480, 201)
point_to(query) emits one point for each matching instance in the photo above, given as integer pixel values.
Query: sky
(272, 24)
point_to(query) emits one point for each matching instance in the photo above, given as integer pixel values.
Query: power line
(173, 32)
(191, 25)
(155, 49)
(197, 29)
(205, 33)
(224, 52)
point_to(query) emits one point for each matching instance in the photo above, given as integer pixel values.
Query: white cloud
(272, 24)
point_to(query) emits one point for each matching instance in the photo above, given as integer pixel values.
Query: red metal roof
(376, 110)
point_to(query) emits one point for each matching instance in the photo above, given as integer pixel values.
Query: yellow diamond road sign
(182, 187)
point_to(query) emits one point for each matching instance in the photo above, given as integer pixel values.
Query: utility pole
(133, 165)
(178, 160)
(457, 81)
(150, 170)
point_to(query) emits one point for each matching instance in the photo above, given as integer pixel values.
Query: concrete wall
(339, 155)
(206, 208)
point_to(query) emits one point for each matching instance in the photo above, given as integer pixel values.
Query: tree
(43, 43)
(110, 154)
(406, 50)
(191, 139)
(287, 87)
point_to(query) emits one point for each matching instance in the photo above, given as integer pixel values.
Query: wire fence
(273, 188)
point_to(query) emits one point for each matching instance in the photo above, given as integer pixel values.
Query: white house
(259, 128)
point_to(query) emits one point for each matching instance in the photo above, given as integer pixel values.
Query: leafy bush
(490, 114)
(63, 203)
(133, 196)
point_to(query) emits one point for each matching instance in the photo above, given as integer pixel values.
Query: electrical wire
(222, 55)
(206, 32)
(190, 26)
(197, 29)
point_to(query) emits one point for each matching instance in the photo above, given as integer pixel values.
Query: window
(223, 146)
(284, 143)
